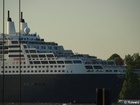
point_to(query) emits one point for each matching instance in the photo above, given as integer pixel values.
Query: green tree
(118, 60)
(131, 85)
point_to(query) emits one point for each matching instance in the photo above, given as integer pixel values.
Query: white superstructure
(26, 53)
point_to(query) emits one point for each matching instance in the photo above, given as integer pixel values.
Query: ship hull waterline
(58, 88)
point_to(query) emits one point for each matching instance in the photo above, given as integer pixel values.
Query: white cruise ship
(33, 70)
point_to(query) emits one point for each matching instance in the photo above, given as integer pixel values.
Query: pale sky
(96, 27)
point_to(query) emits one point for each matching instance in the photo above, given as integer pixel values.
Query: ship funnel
(10, 25)
(23, 26)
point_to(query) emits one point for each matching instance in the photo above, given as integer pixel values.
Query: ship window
(63, 70)
(63, 66)
(44, 62)
(99, 71)
(14, 42)
(55, 48)
(35, 70)
(51, 66)
(51, 71)
(28, 56)
(77, 61)
(55, 70)
(5, 52)
(43, 70)
(108, 70)
(88, 67)
(98, 67)
(14, 46)
(50, 55)
(9, 66)
(115, 70)
(52, 62)
(59, 70)
(68, 62)
(25, 46)
(34, 56)
(36, 62)
(60, 62)
(111, 63)
(26, 51)
(50, 47)
(59, 66)
(5, 47)
(13, 66)
(42, 56)
(55, 66)
(32, 51)
(15, 50)
(39, 70)
(13, 71)
(16, 55)
(31, 62)
(47, 70)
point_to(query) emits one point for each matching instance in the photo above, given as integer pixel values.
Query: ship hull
(58, 88)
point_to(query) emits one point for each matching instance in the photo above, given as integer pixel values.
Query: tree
(131, 85)
(118, 60)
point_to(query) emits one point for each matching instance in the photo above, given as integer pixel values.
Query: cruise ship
(34, 70)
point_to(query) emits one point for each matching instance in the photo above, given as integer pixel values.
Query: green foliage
(118, 60)
(131, 85)
(133, 61)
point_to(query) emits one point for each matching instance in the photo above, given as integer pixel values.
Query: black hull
(56, 88)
